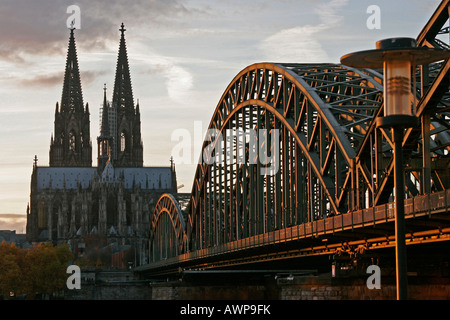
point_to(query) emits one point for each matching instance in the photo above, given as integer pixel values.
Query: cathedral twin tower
(70, 198)
(120, 135)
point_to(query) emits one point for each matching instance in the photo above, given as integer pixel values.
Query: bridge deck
(427, 220)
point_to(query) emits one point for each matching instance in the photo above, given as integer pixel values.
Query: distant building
(10, 237)
(70, 198)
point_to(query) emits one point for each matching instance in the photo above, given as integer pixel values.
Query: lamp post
(398, 58)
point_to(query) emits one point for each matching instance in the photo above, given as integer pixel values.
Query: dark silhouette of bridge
(293, 166)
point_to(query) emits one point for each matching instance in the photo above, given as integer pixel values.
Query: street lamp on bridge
(398, 57)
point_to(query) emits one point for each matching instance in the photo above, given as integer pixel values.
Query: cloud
(47, 80)
(11, 221)
(55, 79)
(41, 27)
(35, 32)
(301, 44)
(328, 12)
(40, 36)
(295, 45)
(178, 82)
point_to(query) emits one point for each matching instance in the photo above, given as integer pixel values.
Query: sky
(182, 56)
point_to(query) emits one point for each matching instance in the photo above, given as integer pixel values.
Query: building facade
(71, 199)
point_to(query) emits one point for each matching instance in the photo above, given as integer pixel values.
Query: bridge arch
(321, 112)
(328, 147)
(167, 229)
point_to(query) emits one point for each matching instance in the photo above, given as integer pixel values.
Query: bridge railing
(428, 202)
(414, 207)
(418, 206)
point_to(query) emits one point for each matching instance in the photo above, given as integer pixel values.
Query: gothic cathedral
(70, 199)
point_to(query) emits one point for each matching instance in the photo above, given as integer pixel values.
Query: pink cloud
(12, 221)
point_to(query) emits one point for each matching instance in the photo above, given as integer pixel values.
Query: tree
(10, 271)
(41, 269)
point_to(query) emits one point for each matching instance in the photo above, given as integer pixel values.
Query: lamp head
(397, 57)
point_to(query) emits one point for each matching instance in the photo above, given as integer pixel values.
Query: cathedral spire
(127, 144)
(105, 140)
(71, 144)
(105, 121)
(72, 96)
(123, 94)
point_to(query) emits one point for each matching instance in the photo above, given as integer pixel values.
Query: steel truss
(316, 123)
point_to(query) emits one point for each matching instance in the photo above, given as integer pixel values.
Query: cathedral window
(42, 215)
(122, 141)
(72, 141)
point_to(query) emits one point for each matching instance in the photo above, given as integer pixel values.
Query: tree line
(39, 270)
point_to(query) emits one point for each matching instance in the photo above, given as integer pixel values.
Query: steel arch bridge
(294, 149)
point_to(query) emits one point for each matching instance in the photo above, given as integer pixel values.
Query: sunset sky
(182, 56)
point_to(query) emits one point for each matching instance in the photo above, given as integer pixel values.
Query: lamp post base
(397, 121)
